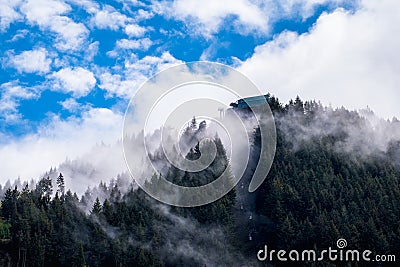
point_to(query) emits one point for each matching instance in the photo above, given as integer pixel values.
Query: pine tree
(7, 204)
(44, 190)
(61, 184)
(298, 105)
(96, 207)
(107, 210)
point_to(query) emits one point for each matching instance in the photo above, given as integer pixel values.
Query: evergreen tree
(314, 194)
(61, 184)
(96, 207)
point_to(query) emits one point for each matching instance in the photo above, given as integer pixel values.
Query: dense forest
(336, 174)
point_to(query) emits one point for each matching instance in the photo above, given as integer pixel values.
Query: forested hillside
(336, 174)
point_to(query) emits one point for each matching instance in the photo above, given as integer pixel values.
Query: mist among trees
(335, 175)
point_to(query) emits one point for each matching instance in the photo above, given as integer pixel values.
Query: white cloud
(150, 64)
(78, 80)
(207, 17)
(47, 14)
(32, 61)
(89, 6)
(19, 35)
(114, 84)
(8, 13)
(134, 30)
(348, 59)
(11, 94)
(109, 18)
(32, 155)
(70, 104)
(143, 15)
(94, 166)
(92, 51)
(136, 71)
(134, 3)
(210, 14)
(71, 35)
(303, 8)
(126, 44)
(139, 44)
(42, 11)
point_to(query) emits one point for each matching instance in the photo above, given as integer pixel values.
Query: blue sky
(71, 66)
(106, 35)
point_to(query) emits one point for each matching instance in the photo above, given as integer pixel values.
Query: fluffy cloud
(209, 14)
(150, 64)
(348, 59)
(42, 11)
(134, 30)
(246, 16)
(30, 156)
(143, 14)
(47, 14)
(126, 44)
(78, 80)
(33, 61)
(135, 72)
(8, 13)
(116, 85)
(11, 94)
(140, 44)
(109, 18)
(88, 5)
(70, 104)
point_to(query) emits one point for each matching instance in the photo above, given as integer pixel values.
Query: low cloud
(102, 163)
(29, 156)
(360, 134)
(338, 62)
